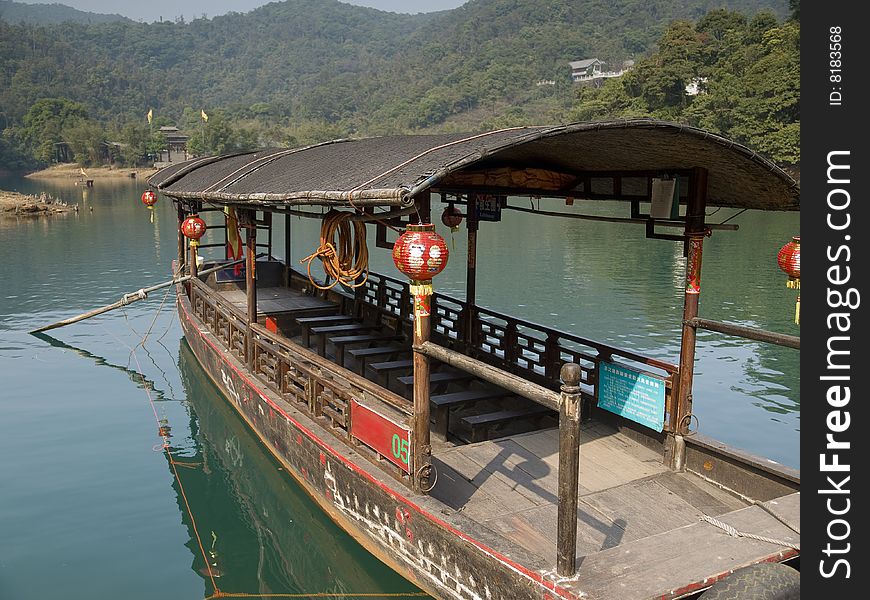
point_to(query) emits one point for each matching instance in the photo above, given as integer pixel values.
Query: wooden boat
(478, 454)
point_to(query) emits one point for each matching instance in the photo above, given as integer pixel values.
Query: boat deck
(276, 301)
(640, 531)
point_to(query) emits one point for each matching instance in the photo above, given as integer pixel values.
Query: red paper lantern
(193, 228)
(789, 260)
(149, 198)
(420, 253)
(451, 217)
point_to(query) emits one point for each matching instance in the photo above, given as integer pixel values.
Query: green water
(90, 507)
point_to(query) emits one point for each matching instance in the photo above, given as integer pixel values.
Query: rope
(734, 533)
(346, 260)
(320, 595)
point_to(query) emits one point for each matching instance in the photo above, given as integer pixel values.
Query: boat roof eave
(393, 170)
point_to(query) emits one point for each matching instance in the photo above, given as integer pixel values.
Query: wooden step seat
(442, 403)
(327, 330)
(345, 340)
(480, 424)
(308, 322)
(391, 352)
(384, 368)
(437, 380)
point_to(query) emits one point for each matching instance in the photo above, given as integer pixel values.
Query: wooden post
(421, 453)
(181, 239)
(251, 280)
(695, 232)
(471, 274)
(287, 248)
(569, 470)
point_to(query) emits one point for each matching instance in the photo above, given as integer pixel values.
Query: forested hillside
(303, 70)
(45, 14)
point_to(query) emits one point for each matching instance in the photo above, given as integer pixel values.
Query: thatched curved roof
(391, 170)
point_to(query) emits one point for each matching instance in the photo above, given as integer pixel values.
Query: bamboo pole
(129, 299)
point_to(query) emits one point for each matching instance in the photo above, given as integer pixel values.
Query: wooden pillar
(421, 453)
(181, 239)
(695, 232)
(471, 274)
(267, 220)
(287, 248)
(250, 279)
(569, 470)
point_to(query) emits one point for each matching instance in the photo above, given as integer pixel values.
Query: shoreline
(72, 171)
(15, 204)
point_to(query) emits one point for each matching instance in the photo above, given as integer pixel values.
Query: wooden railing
(309, 382)
(521, 347)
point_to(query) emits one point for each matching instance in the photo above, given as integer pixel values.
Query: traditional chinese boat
(478, 454)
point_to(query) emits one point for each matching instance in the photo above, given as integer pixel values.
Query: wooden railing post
(250, 225)
(695, 232)
(421, 452)
(569, 470)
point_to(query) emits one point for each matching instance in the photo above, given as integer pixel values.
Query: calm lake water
(90, 505)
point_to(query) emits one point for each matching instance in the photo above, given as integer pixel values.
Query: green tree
(45, 124)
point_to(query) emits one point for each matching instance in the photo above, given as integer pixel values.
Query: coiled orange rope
(346, 260)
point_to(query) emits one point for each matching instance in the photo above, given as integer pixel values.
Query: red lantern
(789, 260)
(149, 198)
(193, 228)
(420, 253)
(452, 217)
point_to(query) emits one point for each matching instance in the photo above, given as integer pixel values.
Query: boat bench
(442, 403)
(324, 332)
(480, 424)
(344, 340)
(308, 322)
(361, 354)
(384, 368)
(438, 380)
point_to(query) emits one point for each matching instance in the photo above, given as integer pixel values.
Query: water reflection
(260, 531)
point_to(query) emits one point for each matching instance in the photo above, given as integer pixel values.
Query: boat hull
(447, 555)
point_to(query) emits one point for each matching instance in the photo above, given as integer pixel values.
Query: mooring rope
(321, 595)
(165, 447)
(735, 533)
(345, 260)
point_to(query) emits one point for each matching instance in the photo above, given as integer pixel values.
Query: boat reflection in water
(262, 534)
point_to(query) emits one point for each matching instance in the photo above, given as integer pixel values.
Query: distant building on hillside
(591, 69)
(696, 86)
(176, 147)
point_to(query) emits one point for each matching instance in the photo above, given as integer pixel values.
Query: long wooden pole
(569, 470)
(129, 299)
(494, 375)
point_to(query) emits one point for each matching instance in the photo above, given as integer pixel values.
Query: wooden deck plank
(535, 530)
(607, 459)
(458, 493)
(708, 498)
(643, 508)
(276, 300)
(654, 565)
(510, 499)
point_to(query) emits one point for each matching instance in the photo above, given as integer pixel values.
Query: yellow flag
(204, 116)
(150, 115)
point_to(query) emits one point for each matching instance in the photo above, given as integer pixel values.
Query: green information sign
(632, 394)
